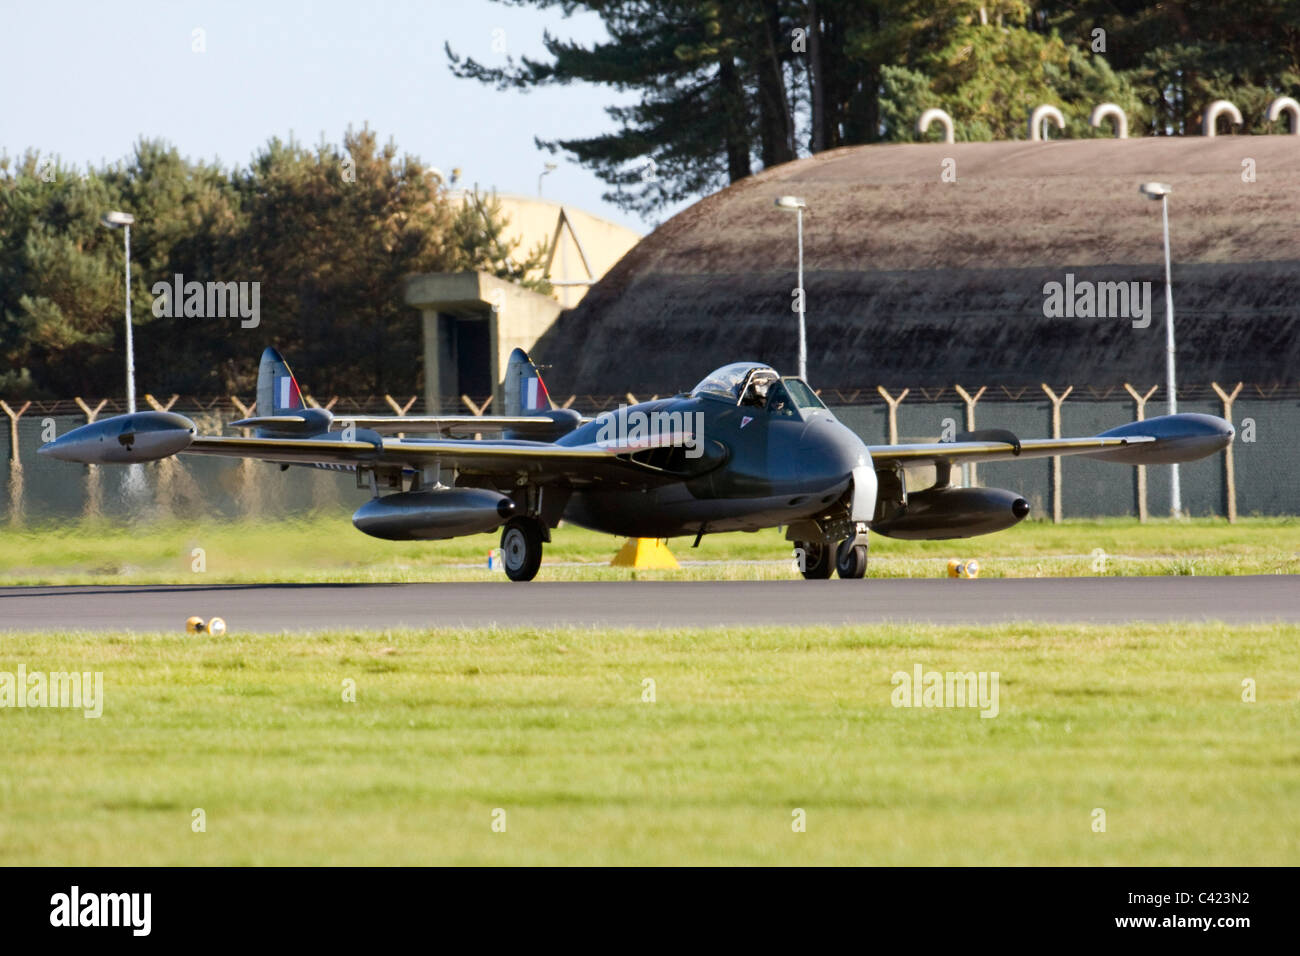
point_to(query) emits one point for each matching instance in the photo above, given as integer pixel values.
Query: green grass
(1144, 721)
(327, 548)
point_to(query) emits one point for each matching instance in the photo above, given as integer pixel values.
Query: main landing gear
(848, 559)
(816, 559)
(521, 548)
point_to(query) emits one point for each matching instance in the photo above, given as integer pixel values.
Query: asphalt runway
(280, 607)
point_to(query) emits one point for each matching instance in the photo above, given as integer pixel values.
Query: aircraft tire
(851, 560)
(521, 548)
(817, 560)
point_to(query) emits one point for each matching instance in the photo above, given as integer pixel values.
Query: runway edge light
(645, 553)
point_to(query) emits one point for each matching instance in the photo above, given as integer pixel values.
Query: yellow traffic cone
(645, 553)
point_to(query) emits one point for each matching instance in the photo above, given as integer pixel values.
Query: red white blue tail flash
(524, 389)
(290, 396)
(537, 397)
(277, 389)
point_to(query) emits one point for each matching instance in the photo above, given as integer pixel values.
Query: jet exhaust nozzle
(434, 515)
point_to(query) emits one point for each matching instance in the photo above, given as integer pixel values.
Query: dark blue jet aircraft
(745, 449)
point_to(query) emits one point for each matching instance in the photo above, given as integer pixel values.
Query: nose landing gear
(851, 559)
(851, 556)
(848, 559)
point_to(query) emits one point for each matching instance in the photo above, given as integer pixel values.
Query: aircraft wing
(149, 436)
(1155, 441)
(451, 425)
(957, 452)
(539, 461)
(546, 425)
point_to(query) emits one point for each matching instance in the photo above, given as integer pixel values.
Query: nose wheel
(521, 548)
(851, 559)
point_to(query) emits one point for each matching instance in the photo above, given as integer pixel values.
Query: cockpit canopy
(752, 383)
(729, 381)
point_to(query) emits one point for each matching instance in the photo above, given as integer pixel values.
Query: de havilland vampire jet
(745, 449)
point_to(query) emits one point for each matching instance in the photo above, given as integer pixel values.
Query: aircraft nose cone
(832, 450)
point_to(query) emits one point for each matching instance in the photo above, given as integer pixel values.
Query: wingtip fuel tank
(124, 439)
(1187, 436)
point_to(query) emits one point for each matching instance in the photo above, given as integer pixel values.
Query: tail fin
(277, 389)
(525, 392)
(280, 410)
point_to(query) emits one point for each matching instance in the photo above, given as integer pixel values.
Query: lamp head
(116, 218)
(1155, 190)
(791, 202)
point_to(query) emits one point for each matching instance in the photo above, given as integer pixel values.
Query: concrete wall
(515, 317)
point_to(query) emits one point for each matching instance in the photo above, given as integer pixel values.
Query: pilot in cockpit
(756, 394)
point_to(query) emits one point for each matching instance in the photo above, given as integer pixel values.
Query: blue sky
(83, 80)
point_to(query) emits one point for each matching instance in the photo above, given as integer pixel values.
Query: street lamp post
(798, 205)
(550, 168)
(1161, 192)
(113, 220)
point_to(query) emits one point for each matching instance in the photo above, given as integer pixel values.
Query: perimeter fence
(1257, 475)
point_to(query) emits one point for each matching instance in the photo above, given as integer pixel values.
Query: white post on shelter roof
(798, 205)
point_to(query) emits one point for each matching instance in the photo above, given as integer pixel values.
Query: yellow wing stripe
(996, 450)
